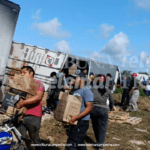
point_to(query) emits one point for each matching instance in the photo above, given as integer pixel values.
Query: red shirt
(36, 109)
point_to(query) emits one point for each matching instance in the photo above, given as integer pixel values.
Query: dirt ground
(54, 132)
(121, 135)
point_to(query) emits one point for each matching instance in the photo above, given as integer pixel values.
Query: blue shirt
(87, 96)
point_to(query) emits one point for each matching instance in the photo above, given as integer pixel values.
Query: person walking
(99, 114)
(134, 93)
(77, 132)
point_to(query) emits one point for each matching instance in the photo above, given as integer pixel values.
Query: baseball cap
(134, 75)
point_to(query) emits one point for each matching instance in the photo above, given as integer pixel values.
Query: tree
(144, 73)
(126, 72)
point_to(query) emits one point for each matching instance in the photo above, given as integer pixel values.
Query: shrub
(119, 90)
(142, 93)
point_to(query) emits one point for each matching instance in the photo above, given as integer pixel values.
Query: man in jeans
(32, 119)
(77, 132)
(134, 93)
(99, 114)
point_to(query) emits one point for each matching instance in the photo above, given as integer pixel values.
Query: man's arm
(131, 91)
(111, 100)
(31, 100)
(86, 111)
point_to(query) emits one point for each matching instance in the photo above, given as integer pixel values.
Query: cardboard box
(22, 86)
(68, 105)
(73, 69)
(11, 111)
(8, 104)
(23, 83)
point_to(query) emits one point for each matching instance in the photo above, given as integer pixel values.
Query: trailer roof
(98, 67)
(10, 4)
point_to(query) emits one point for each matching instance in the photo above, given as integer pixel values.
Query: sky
(116, 32)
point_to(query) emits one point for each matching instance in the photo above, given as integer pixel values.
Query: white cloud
(62, 46)
(145, 4)
(144, 59)
(96, 56)
(36, 15)
(117, 46)
(90, 31)
(137, 23)
(106, 30)
(52, 28)
(143, 56)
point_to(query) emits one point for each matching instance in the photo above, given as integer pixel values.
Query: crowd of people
(97, 100)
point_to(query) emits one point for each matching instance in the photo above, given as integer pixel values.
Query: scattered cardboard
(114, 138)
(139, 142)
(68, 105)
(141, 130)
(129, 120)
(133, 120)
(119, 115)
(123, 117)
(116, 108)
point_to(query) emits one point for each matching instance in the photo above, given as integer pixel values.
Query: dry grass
(125, 132)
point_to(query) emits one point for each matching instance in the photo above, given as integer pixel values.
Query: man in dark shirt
(125, 95)
(111, 82)
(99, 115)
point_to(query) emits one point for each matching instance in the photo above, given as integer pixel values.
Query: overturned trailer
(45, 61)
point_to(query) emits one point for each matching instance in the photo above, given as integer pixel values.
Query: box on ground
(68, 105)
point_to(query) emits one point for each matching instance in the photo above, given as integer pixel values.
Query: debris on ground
(114, 138)
(3, 117)
(141, 130)
(139, 142)
(50, 138)
(123, 117)
(47, 117)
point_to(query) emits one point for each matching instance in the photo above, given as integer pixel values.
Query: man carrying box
(32, 119)
(78, 131)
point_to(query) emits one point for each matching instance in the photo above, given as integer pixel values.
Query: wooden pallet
(118, 115)
(129, 120)
(133, 120)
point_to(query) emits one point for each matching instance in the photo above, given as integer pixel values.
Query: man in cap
(134, 93)
(99, 114)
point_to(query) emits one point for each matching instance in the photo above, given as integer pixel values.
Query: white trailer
(9, 12)
(142, 76)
